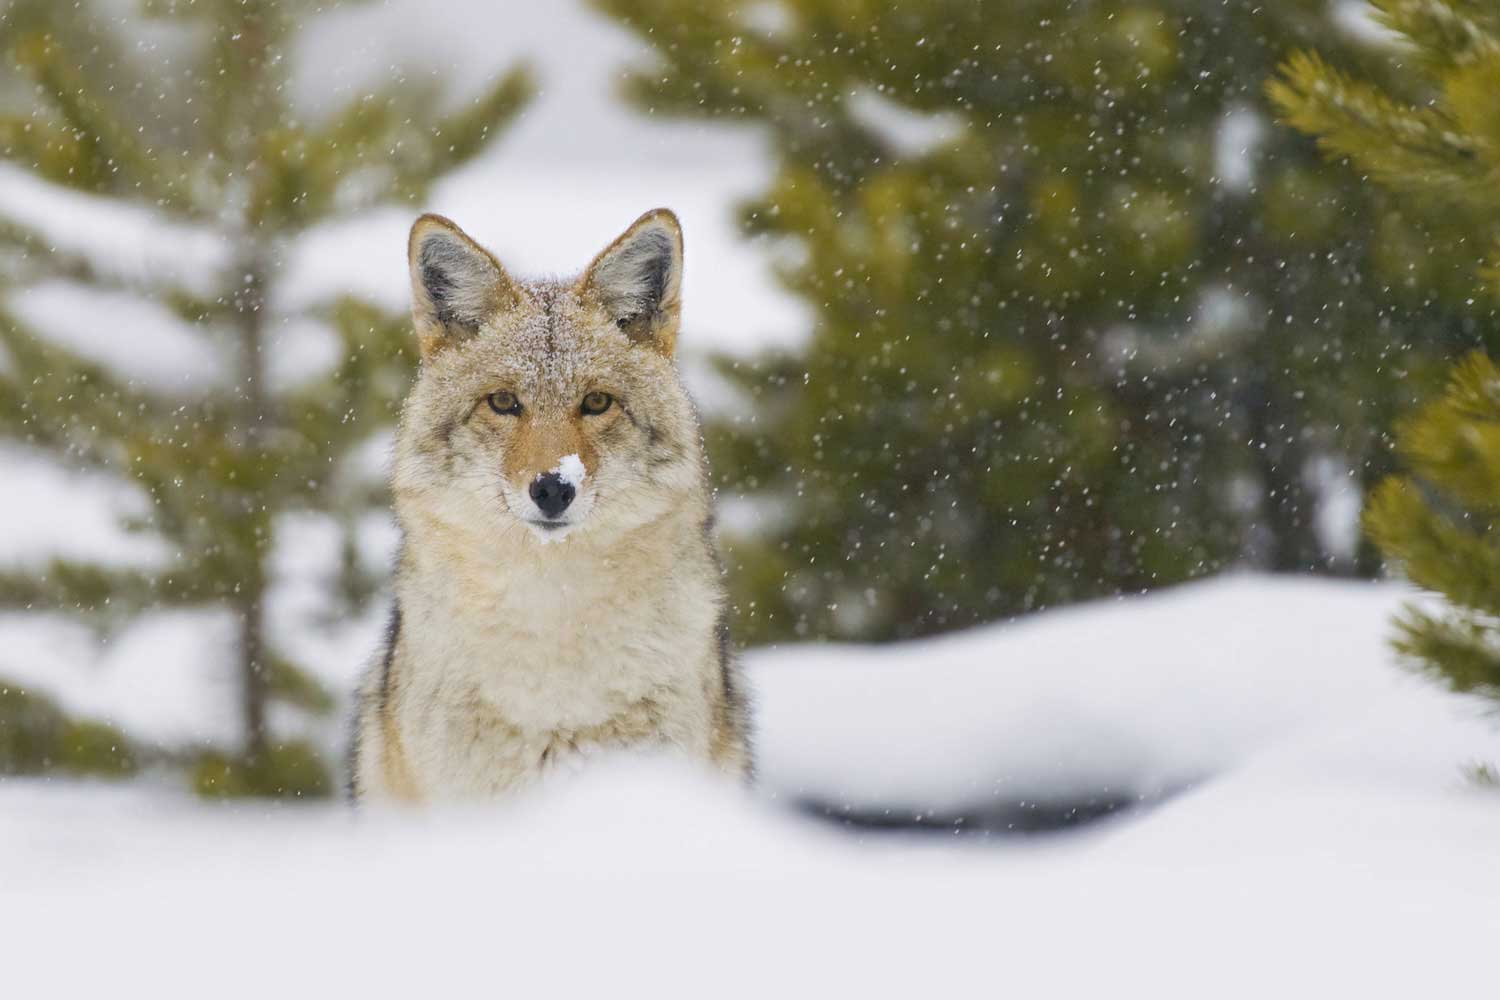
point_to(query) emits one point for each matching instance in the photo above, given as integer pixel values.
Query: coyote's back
(557, 590)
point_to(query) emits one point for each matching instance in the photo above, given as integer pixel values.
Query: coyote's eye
(504, 403)
(596, 403)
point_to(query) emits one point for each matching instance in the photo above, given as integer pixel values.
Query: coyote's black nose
(551, 493)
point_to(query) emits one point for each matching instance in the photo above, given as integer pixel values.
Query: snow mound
(1112, 702)
(1329, 840)
(641, 871)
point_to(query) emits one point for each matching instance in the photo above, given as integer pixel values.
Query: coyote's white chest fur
(541, 616)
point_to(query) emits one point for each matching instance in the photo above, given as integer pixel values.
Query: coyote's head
(545, 408)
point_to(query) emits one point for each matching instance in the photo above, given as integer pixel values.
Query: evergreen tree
(1068, 343)
(1436, 140)
(201, 133)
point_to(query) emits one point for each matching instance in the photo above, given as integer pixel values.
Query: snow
(1327, 842)
(125, 242)
(904, 131)
(571, 469)
(48, 511)
(1241, 133)
(1124, 700)
(640, 876)
(164, 678)
(140, 340)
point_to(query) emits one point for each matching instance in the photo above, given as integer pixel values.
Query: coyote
(557, 589)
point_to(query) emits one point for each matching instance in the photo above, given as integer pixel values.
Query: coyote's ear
(455, 283)
(638, 280)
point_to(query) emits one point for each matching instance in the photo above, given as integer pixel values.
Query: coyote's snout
(547, 412)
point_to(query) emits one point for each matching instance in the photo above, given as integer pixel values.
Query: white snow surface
(1128, 698)
(1330, 843)
(640, 878)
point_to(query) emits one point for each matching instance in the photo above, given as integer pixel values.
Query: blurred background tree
(196, 129)
(1433, 135)
(1087, 322)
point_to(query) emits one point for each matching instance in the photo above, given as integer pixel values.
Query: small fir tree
(200, 132)
(1436, 140)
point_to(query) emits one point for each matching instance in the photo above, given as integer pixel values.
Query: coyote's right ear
(455, 283)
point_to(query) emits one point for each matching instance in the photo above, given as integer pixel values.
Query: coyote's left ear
(638, 280)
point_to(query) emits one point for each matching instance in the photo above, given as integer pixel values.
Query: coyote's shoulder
(557, 589)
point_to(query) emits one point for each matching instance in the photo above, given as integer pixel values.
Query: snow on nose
(570, 470)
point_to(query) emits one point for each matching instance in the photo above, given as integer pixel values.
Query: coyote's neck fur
(557, 590)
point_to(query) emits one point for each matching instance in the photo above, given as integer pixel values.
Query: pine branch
(1455, 440)
(55, 397)
(109, 158)
(1418, 150)
(459, 137)
(361, 396)
(1458, 650)
(34, 259)
(59, 154)
(295, 686)
(105, 596)
(1435, 551)
(382, 147)
(1444, 33)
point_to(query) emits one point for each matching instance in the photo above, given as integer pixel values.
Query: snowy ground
(1329, 843)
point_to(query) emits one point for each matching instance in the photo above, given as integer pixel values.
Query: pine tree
(1067, 343)
(1436, 140)
(201, 133)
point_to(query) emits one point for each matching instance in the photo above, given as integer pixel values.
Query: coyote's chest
(547, 651)
(506, 671)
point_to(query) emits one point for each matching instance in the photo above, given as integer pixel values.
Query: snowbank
(644, 879)
(1113, 702)
(1329, 845)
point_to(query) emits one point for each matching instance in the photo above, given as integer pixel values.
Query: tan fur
(517, 648)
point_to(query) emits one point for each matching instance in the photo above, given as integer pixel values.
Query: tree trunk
(253, 687)
(253, 420)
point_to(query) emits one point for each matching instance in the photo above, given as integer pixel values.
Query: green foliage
(1437, 137)
(1438, 143)
(30, 729)
(96, 748)
(281, 771)
(1438, 524)
(37, 737)
(1061, 349)
(208, 143)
